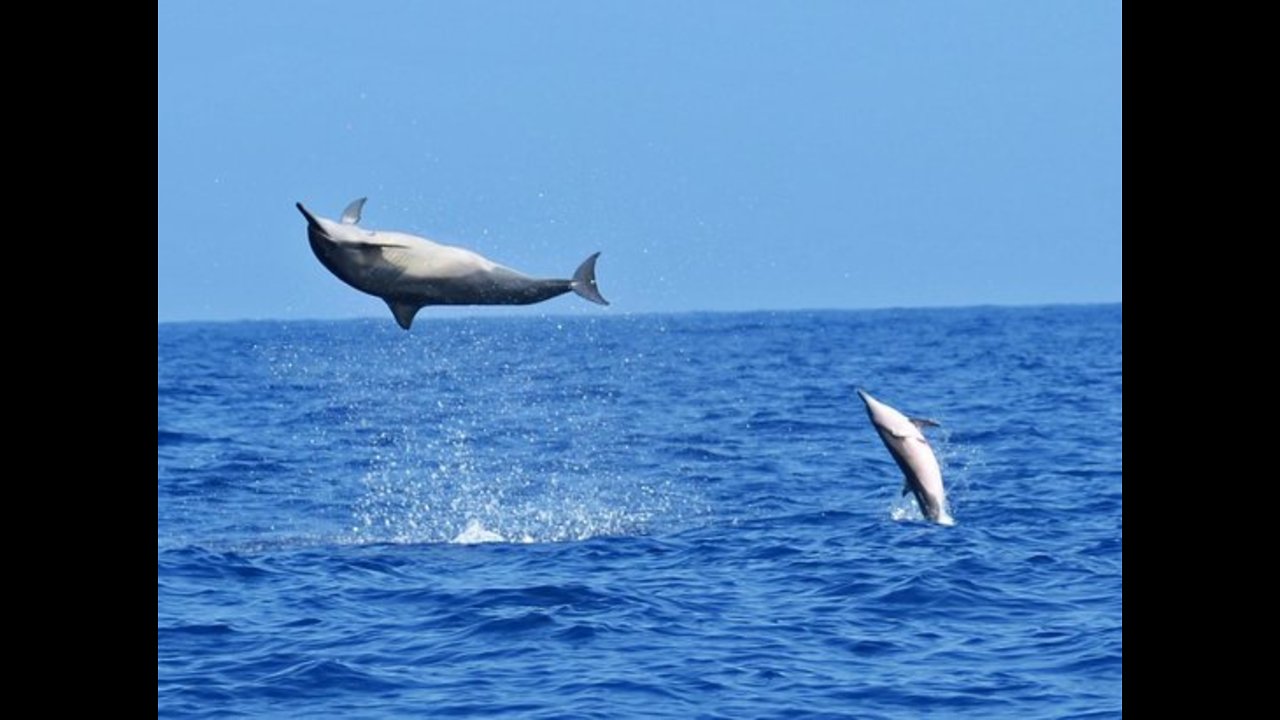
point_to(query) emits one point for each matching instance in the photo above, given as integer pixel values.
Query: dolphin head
(318, 228)
(880, 414)
(332, 243)
(325, 233)
(320, 236)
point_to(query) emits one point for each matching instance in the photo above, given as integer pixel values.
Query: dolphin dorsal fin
(404, 312)
(351, 215)
(923, 423)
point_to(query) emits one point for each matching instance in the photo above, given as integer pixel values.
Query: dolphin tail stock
(584, 281)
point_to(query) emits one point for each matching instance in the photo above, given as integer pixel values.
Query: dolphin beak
(311, 219)
(863, 394)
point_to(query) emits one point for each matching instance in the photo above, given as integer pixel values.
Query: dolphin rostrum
(409, 272)
(909, 448)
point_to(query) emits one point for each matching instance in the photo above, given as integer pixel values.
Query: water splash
(448, 492)
(475, 533)
(960, 463)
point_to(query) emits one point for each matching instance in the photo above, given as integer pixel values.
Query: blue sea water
(684, 516)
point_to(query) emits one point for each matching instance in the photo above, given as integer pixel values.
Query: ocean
(660, 516)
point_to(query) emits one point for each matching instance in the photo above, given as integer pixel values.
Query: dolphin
(909, 448)
(410, 272)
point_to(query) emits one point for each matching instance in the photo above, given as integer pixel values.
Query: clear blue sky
(722, 155)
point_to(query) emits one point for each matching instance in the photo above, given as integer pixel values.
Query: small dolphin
(909, 448)
(409, 272)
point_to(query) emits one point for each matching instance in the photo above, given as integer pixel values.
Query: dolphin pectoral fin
(367, 245)
(906, 488)
(351, 215)
(584, 281)
(923, 423)
(403, 312)
(371, 242)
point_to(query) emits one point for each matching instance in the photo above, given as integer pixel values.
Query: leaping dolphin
(909, 448)
(409, 272)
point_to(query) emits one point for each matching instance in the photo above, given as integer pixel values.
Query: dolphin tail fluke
(404, 312)
(584, 281)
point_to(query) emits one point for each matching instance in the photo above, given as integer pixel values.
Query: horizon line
(646, 313)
